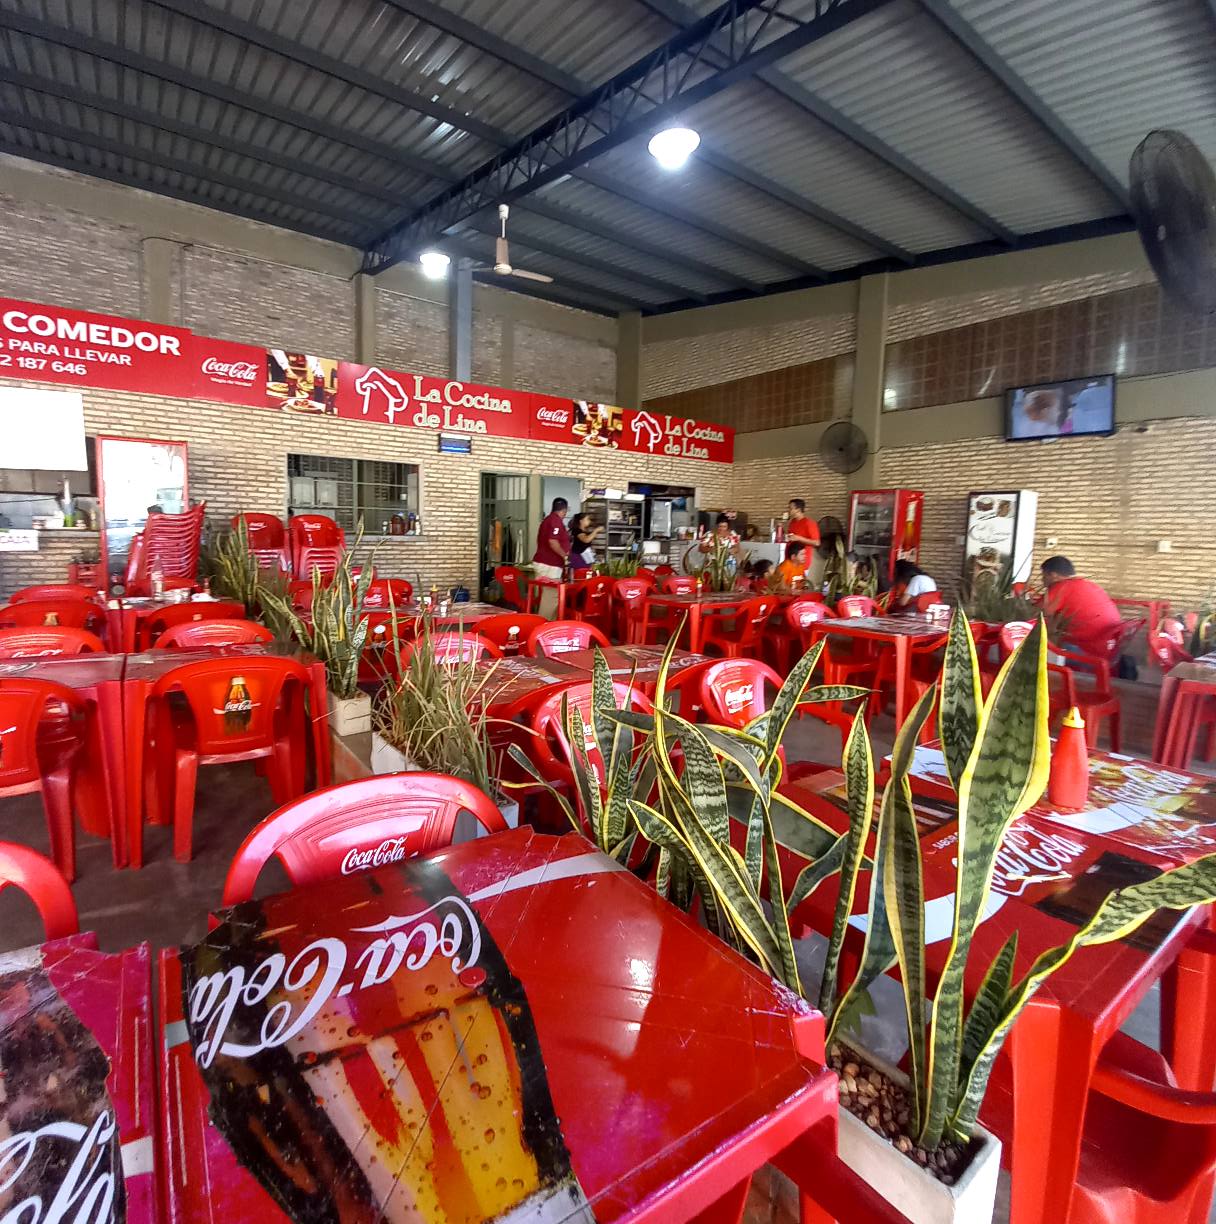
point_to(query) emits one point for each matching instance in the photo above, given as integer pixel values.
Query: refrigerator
(884, 525)
(1000, 533)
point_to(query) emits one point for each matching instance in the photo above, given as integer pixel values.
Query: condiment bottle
(1068, 783)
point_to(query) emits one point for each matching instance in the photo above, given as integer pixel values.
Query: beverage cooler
(884, 524)
(1000, 535)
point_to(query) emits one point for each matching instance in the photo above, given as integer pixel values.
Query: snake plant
(720, 566)
(997, 754)
(232, 568)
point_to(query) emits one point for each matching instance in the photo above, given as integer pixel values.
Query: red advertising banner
(228, 372)
(660, 433)
(52, 344)
(444, 405)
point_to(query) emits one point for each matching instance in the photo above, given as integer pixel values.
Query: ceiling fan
(502, 253)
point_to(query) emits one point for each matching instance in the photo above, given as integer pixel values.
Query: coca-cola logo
(557, 417)
(238, 707)
(738, 698)
(303, 985)
(391, 850)
(1028, 857)
(81, 1157)
(238, 371)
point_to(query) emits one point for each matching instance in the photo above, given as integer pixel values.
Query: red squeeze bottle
(1068, 783)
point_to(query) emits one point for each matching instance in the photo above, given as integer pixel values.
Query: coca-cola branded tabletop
(77, 1130)
(411, 1043)
(53, 344)
(228, 372)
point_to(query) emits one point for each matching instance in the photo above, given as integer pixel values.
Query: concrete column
(629, 360)
(460, 320)
(868, 378)
(365, 318)
(159, 259)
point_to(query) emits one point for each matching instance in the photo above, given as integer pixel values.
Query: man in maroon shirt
(552, 549)
(1088, 612)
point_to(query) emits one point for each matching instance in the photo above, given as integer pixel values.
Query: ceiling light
(434, 264)
(672, 147)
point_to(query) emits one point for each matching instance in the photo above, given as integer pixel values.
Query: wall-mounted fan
(502, 253)
(843, 447)
(1174, 202)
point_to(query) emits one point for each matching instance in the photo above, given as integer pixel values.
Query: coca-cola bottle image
(318, 388)
(390, 1072)
(238, 707)
(60, 1155)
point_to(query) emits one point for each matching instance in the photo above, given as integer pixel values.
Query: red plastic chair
(513, 584)
(221, 631)
(684, 691)
(1166, 649)
(150, 628)
(785, 634)
(47, 642)
(267, 539)
(219, 725)
(316, 543)
(171, 543)
(648, 576)
(743, 635)
(43, 883)
(677, 584)
(358, 826)
(837, 667)
(39, 746)
(459, 647)
(300, 594)
(922, 603)
(591, 601)
(629, 603)
(555, 638)
(663, 571)
(47, 613)
(509, 631)
(53, 590)
(855, 605)
(382, 591)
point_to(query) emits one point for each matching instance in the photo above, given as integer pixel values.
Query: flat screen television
(1067, 409)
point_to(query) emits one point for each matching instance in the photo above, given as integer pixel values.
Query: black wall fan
(1173, 194)
(843, 447)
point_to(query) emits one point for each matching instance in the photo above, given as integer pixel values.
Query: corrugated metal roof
(890, 137)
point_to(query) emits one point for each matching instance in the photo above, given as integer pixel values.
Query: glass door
(136, 477)
(504, 522)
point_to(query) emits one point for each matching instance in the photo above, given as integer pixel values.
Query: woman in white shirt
(909, 582)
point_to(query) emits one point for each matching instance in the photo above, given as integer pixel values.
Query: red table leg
(135, 714)
(903, 679)
(1165, 711)
(111, 732)
(319, 700)
(728, 1209)
(1188, 1013)
(694, 628)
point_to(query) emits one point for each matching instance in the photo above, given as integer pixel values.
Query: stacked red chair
(316, 543)
(222, 631)
(43, 883)
(267, 539)
(555, 638)
(169, 543)
(48, 642)
(41, 734)
(150, 629)
(357, 826)
(246, 708)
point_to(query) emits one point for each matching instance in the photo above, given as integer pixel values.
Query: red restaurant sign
(53, 344)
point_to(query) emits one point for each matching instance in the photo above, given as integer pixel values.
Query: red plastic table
(98, 679)
(1170, 744)
(124, 617)
(76, 1052)
(142, 672)
(642, 661)
(1153, 610)
(695, 606)
(563, 590)
(899, 633)
(414, 1043)
(517, 677)
(1052, 871)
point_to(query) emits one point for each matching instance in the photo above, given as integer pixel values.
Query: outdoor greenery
(844, 576)
(619, 567)
(989, 597)
(1203, 635)
(232, 568)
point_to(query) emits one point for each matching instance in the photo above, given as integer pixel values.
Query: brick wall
(763, 487)
(547, 360)
(238, 461)
(411, 334)
(56, 551)
(1107, 501)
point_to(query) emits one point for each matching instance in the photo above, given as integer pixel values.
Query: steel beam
(676, 75)
(681, 15)
(967, 37)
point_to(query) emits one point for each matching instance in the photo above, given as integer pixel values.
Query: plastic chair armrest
(1157, 1100)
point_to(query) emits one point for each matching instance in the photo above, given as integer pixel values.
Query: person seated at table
(758, 572)
(1088, 613)
(791, 573)
(582, 552)
(909, 582)
(801, 529)
(722, 532)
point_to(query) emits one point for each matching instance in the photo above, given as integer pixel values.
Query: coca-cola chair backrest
(801, 613)
(42, 882)
(172, 542)
(222, 631)
(732, 691)
(510, 630)
(1171, 626)
(551, 747)
(52, 590)
(385, 591)
(315, 531)
(262, 531)
(753, 616)
(190, 613)
(1013, 634)
(323, 559)
(24, 702)
(555, 638)
(683, 693)
(855, 605)
(594, 594)
(511, 581)
(630, 590)
(359, 826)
(45, 643)
(662, 571)
(40, 613)
(463, 648)
(231, 717)
(678, 584)
(1164, 649)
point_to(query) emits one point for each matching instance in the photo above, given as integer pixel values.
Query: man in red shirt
(552, 549)
(1088, 612)
(801, 530)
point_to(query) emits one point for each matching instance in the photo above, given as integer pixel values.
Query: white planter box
(387, 759)
(350, 715)
(905, 1185)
